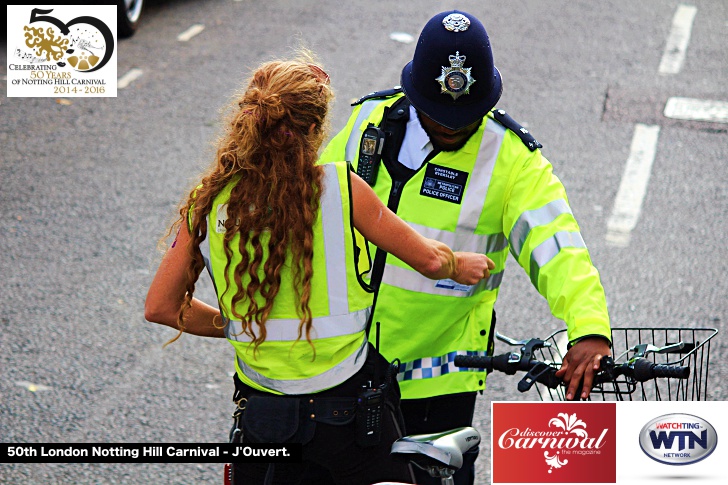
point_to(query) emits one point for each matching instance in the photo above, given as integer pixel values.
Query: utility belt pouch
(271, 419)
(369, 414)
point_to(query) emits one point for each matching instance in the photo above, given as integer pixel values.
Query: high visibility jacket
(283, 363)
(492, 196)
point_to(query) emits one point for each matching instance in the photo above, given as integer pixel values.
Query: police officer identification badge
(444, 183)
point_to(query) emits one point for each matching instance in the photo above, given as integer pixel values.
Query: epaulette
(526, 137)
(379, 94)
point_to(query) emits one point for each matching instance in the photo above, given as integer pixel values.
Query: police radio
(370, 404)
(370, 154)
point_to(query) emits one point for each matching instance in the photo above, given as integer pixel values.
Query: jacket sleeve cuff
(576, 340)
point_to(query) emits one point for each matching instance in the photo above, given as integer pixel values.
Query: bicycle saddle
(439, 449)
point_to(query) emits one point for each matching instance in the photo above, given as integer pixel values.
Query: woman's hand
(470, 268)
(432, 258)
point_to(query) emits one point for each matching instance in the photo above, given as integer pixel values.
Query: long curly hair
(269, 151)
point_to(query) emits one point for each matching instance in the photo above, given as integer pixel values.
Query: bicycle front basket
(694, 353)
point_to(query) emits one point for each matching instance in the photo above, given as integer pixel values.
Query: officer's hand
(471, 267)
(580, 364)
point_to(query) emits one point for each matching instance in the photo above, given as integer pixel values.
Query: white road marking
(32, 387)
(128, 78)
(677, 42)
(191, 32)
(697, 109)
(402, 37)
(632, 189)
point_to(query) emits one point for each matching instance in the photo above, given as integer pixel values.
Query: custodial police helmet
(452, 78)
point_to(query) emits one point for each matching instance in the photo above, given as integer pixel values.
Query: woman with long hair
(277, 234)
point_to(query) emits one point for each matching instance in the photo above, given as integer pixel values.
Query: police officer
(276, 234)
(462, 172)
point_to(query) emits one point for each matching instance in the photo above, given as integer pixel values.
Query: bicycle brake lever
(641, 350)
(509, 340)
(671, 348)
(528, 349)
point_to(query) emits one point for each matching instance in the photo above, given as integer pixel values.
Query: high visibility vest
(285, 363)
(492, 196)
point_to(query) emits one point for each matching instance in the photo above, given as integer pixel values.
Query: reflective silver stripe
(530, 219)
(429, 367)
(205, 250)
(464, 241)
(547, 250)
(411, 280)
(332, 217)
(474, 198)
(286, 329)
(332, 377)
(352, 144)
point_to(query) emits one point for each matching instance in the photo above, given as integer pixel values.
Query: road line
(128, 78)
(697, 109)
(402, 37)
(191, 32)
(677, 42)
(33, 387)
(632, 189)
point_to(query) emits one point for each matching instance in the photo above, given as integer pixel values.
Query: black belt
(322, 409)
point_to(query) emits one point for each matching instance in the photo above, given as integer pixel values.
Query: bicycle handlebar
(639, 369)
(645, 370)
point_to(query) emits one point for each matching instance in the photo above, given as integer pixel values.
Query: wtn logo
(678, 439)
(665, 439)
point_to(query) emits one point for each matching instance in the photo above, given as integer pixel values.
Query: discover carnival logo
(61, 51)
(678, 439)
(560, 442)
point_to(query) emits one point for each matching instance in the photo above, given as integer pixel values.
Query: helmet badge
(456, 79)
(456, 22)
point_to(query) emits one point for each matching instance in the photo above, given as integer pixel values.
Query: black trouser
(332, 447)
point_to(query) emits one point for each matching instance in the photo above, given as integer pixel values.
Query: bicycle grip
(473, 361)
(645, 370)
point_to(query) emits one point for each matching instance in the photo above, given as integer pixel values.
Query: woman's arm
(432, 258)
(167, 291)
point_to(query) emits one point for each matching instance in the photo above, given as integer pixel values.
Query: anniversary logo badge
(554, 442)
(61, 51)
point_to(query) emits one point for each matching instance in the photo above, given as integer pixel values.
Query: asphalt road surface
(90, 184)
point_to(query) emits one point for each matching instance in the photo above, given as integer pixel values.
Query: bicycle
(651, 369)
